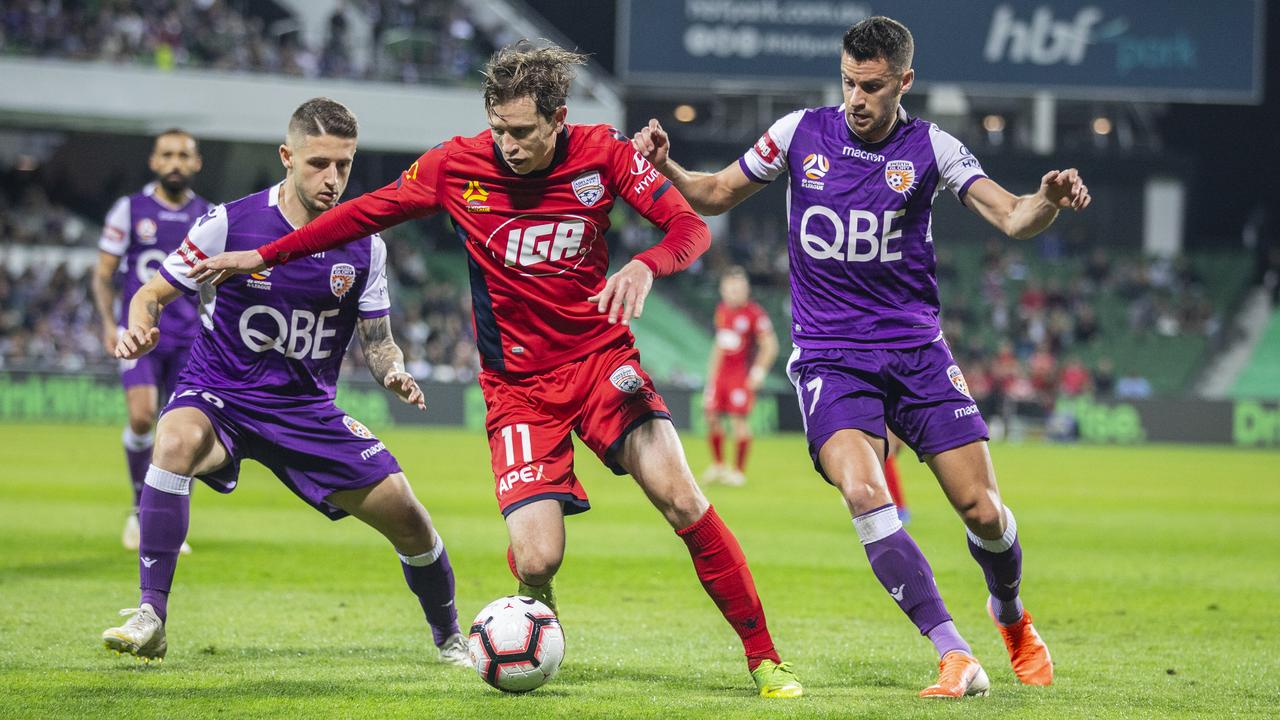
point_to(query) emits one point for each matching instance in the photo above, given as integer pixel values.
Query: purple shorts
(160, 367)
(919, 393)
(315, 449)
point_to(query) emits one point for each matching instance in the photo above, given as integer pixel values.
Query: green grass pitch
(1154, 574)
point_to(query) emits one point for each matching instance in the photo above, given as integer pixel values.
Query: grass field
(1154, 574)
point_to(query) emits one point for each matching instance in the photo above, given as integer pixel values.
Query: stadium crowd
(431, 40)
(47, 319)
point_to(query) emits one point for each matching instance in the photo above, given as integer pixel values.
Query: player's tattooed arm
(142, 333)
(386, 361)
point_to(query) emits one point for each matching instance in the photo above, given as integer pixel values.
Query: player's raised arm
(708, 193)
(412, 195)
(1025, 216)
(686, 235)
(142, 334)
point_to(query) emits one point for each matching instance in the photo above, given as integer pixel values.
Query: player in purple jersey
(262, 379)
(140, 230)
(869, 349)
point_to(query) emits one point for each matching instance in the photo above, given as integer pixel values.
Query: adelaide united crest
(342, 277)
(588, 188)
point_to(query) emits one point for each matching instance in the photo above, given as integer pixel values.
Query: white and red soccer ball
(516, 644)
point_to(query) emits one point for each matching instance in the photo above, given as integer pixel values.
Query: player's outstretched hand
(136, 342)
(1065, 189)
(624, 293)
(653, 144)
(219, 268)
(406, 388)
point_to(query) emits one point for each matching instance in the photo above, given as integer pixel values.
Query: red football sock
(511, 563)
(717, 447)
(722, 568)
(894, 482)
(744, 444)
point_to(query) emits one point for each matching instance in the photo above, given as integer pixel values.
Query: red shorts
(602, 397)
(731, 396)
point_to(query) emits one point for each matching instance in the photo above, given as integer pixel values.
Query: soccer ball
(516, 644)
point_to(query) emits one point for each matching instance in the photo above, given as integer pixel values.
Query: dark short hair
(880, 37)
(322, 116)
(177, 131)
(542, 74)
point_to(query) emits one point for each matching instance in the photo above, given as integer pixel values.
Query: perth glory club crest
(342, 277)
(900, 175)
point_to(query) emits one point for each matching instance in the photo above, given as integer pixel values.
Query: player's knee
(141, 424)
(537, 565)
(984, 518)
(862, 493)
(178, 448)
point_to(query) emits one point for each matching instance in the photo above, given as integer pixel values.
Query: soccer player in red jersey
(530, 199)
(744, 350)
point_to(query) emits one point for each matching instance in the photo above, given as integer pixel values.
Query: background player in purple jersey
(140, 230)
(869, 350)
(262, 379)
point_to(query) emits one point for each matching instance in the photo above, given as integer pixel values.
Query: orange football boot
(1027, 652)
(959, 675)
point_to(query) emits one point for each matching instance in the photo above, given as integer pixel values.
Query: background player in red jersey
(530, 199)
(744, 349)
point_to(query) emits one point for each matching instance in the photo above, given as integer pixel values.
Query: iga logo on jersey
(957, 380)
(357, 428)
(540, 245)
(900, 175)
(588, 188)
(342, 277)
(626, 379)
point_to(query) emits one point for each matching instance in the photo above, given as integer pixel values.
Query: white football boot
(141, 635)
(454, 651)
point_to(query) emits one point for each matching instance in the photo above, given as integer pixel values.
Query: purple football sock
(163, 514)
(898, 563)
(430, 577)
(137, 454)
(1001, 563)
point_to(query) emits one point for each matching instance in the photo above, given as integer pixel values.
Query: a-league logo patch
(342, 277)
(626, 379)
(357, 428)
(145, 230)
(957, 380)
(588, 188)
(900, 175)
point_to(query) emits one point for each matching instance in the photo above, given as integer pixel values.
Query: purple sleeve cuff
(965, 187)
(742, 163)
(164, 272)
(371, 314)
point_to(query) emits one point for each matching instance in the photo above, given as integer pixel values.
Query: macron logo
(898, 592)
(148, 562)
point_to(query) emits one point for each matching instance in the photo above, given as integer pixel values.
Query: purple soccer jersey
(864, 295)
(265, 368)
(276, 338)
(142, 229)
(860, 225)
